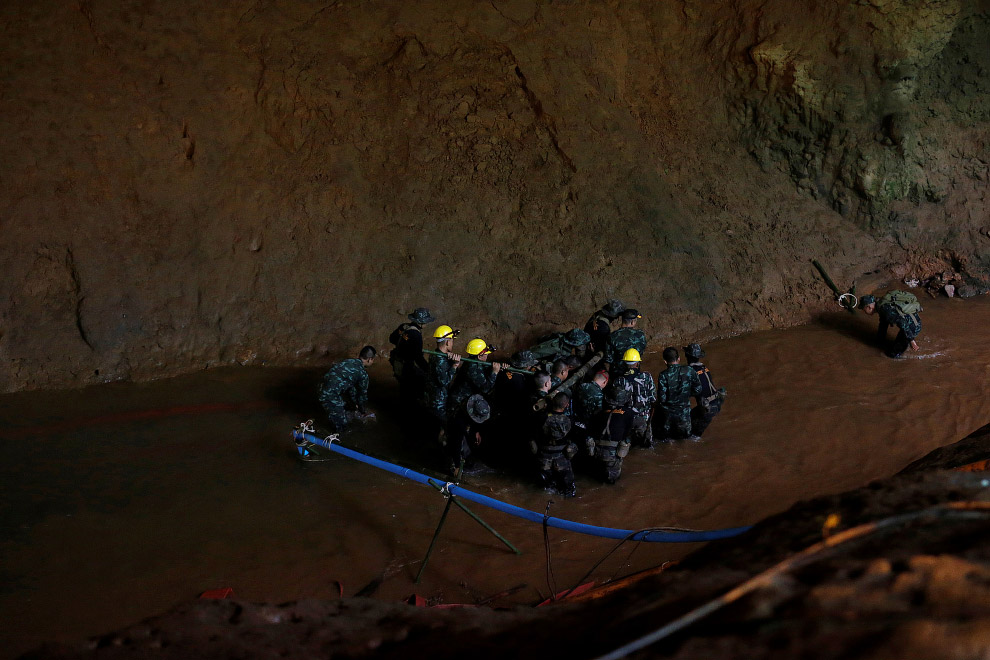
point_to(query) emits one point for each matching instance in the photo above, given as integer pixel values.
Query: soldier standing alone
(900, 309)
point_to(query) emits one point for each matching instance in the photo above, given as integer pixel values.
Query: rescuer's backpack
(903, 302)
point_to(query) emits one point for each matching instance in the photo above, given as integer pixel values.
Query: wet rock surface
(279, 182)
(899, 568)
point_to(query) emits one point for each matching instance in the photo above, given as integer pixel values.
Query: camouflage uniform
(473, 378)
(610, 434)
(586, 406)
(621, 341)
(438, 377)
(560, 345)
(464, 431)
(675, 387)
(709, 403)
(909, 326)
(599, 326)
(551, 349)
(408, 365)
(344, 389)
(554, 453)
(642, 396)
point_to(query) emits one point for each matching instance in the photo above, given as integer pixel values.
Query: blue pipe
(533, 516)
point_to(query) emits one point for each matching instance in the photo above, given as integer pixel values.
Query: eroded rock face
(189, 185)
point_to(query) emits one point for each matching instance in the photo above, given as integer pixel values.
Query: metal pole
(436, 534)
(464, 359)
(465, 509)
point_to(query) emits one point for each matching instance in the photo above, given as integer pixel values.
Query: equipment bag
(903, 302)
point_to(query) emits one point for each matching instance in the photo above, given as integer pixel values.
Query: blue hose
(498, 505)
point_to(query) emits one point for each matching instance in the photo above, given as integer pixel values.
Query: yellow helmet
(444, 332)
(477, 347)
(631, 355)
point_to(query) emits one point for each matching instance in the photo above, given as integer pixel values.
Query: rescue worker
(541, 387)
(587, 404)
(553, 450)
(675, 387)
(408, 364)
(558, 373)
(610, 434)
(510, 395)
(599, 326)
(344, 389)
(474, 378)
(438, 376)
(626, 337)
(561, 345)
(711, 399)
(642, 396)
(900, 309)
(464, 432)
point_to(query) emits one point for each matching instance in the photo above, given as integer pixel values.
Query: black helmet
(577, 337)
(478, 409)
(867, 300)
(523, 360)
(421, 315)
(630, 314)
(693, 351)
(613, 308)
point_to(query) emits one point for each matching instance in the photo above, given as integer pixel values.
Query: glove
(622, 450)
(571, 450)
(533, 448)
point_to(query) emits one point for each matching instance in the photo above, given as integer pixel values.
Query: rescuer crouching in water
(900, 309)
(344, 390)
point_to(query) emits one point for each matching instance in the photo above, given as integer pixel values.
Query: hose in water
(652, 536)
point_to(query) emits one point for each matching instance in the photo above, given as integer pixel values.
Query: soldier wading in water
(900, 309)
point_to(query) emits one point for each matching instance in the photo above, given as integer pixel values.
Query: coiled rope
(652, 536)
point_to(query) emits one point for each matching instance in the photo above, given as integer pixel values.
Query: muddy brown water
(121, 500)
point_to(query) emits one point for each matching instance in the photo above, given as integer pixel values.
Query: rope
(651, 535)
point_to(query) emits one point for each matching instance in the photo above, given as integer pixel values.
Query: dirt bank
(187, 185)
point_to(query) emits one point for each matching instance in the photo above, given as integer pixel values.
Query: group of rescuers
(530, 402)
(474, 407)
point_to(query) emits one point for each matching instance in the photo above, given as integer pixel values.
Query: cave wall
(193, 184)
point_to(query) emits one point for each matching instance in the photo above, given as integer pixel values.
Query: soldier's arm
(446, 372)
(882, 325)
(416, 348)
(695, 385)
(361, 388)
(661, 389)
(395, 336)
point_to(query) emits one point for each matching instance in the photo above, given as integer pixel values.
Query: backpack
(904, 303)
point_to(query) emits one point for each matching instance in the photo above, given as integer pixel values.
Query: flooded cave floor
(919, 589)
